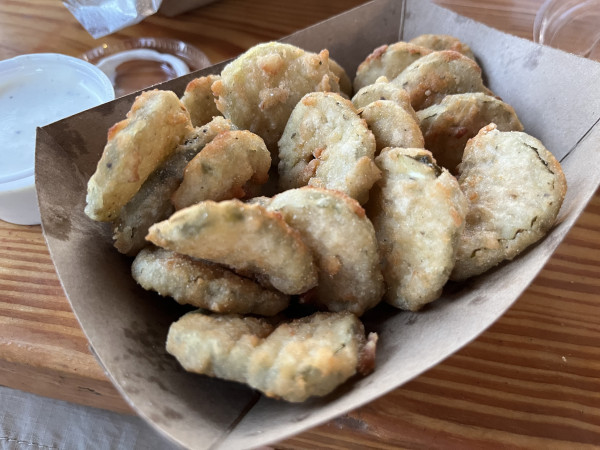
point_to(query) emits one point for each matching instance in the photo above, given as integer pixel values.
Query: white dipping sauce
(36, 90)
(37, 99)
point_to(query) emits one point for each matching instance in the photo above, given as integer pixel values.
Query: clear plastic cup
(570, 25)
(134, 64)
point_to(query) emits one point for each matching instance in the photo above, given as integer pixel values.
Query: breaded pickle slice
(418, 212)
(326, 144)
(245, 237)
(342, 238)
(155, 125)
(515, 188)
(152, 202)
(232, 164)
(198, 283)
(259, 89)
(439, 42)
(218, 345)
(382, 89)
(392, 125)
(448, 125)
(200, 101)
(293, 361)
(388, 61)
(429, 79)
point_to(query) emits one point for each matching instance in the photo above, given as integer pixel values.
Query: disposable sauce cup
(36, 90)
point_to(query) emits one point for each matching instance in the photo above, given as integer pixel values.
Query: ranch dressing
(36, 90)
(36, 99)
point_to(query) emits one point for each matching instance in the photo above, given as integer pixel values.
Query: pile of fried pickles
(282, 185)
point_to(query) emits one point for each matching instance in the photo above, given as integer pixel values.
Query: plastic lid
(135, 64)
(570, 25)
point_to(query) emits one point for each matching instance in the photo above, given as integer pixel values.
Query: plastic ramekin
(36, 90)
(137, 63)
(570, 25)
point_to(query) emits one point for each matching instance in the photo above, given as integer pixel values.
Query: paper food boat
(556, 96)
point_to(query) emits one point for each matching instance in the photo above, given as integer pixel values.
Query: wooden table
(531, 380)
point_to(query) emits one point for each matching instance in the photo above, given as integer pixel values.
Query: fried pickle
(200, 101)
(388, 61)
(515, 187)
(439, 42)
(342, 238)
(259, 89)
(429, 79)
(418, 212)
(326, 144)
(152, 202)
(156, 123)
(245, 237)
(457, 118)
(392, 125)
(293, 361)
(198, 283)
(216, 345)
(232, 165)
(382, 89)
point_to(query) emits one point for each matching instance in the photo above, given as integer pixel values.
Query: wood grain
(222, 29)
(531, 380)
(42, 347)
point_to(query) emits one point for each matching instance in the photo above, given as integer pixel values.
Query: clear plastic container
(137, 63)
(36, 90)
(570, 25)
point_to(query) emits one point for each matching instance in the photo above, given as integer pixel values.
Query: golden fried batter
(204, 285)
(200, 101)
(293, 361)
(342, 238)
(231, 165)
(449, 125)
(392, 125)
(259, 89)
(152, 202)
(326, 144)
(216, 345)
(156, 123)
(515, 187)
(443, 42)
(432, 77)
(388, 61)
(245, 237)
(382, 89)
(418, 212)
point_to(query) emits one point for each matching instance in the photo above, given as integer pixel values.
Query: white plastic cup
(36, 90)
